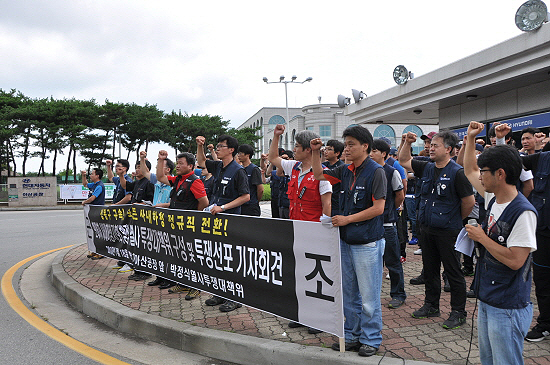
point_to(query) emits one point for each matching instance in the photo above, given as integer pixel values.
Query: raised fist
(83, 173)
(142, 154)
(502, 130)
(163, 155)
(279, 129)
(316, 144)
(211, 147)
(109, 162)
(410, 137)
(474, 129)
(201, 140)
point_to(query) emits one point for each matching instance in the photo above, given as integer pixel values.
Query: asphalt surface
(237, 335)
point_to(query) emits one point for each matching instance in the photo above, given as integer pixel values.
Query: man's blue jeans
(501, 333)
(361, 284)
(392, 259)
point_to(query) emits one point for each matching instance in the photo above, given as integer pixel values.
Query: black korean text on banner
(246, 259)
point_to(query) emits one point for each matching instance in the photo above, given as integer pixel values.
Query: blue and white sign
(535, 121)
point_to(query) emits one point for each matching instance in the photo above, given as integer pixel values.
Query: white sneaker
(387, 275)
(418, 252)
(125, 268)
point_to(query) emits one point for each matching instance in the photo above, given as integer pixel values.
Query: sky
(210, 57)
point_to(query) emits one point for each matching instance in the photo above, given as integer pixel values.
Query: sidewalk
(421, 340)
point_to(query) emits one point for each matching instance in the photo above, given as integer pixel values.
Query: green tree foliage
(144, 124)
(246, 135)
(44, 128)
(9, 101)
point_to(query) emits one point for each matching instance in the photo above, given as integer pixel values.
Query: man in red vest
(309, 198)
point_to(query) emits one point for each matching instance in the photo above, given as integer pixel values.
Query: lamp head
(265, 79)
(294, 77)
(531, 15)
(281, 78)
(358, 95)
(343, 101)
(309, 79)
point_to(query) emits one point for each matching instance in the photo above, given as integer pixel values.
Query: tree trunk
(12, 159)
(42, 153)
(104, 149)
(114, 144)
(74, 165)
(54, 161)
(25, 152)
(137, 150)
(68, 164)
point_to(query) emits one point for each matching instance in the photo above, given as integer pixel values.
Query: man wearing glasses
(230, 190)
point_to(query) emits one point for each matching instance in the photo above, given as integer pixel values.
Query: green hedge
(267, 192)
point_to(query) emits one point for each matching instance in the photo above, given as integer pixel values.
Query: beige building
(327, 120)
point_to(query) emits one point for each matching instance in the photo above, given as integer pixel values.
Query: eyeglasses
(481, 171)
(220, 146)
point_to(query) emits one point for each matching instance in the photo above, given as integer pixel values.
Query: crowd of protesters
(382, 199)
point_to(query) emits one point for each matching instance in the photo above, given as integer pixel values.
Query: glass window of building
(309, 128)
(419, 144)
(325, 131)
(276, 119)
(385, 131)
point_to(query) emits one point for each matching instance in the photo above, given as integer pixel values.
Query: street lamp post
(282, 81)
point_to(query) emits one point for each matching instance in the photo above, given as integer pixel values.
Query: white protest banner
(284, 267)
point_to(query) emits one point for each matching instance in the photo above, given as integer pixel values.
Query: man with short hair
(446, 198)
(539, 164)
(230, 190)
(362, 242)
(186, 192)
(528, 140)
(96, 195)
(120, 196)
(394, 198)
(308, 198)
(161, 198)
(332, 152)
(143, 192)
(251, 207)
(506, 240)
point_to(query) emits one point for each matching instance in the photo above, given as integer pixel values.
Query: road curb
(226, 346)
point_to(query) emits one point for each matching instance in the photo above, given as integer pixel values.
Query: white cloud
(210, 57)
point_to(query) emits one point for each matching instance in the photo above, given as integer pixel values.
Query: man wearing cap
(427, 141)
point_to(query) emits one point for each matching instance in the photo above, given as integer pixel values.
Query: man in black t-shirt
(333, 152)
(142, 192)
(446, 198)
(229, 193)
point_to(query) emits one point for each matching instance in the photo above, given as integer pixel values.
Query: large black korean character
(319, 270)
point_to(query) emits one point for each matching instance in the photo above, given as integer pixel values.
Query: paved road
(24, 234)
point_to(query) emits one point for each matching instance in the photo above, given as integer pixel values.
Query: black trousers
(275, 207)
(437, 248)
(402, 231)
(541, 278)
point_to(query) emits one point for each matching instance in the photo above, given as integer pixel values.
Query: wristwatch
(223, 208)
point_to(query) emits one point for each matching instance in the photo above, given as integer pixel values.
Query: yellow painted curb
(13, 300)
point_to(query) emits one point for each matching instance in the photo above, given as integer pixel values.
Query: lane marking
(18, 306)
